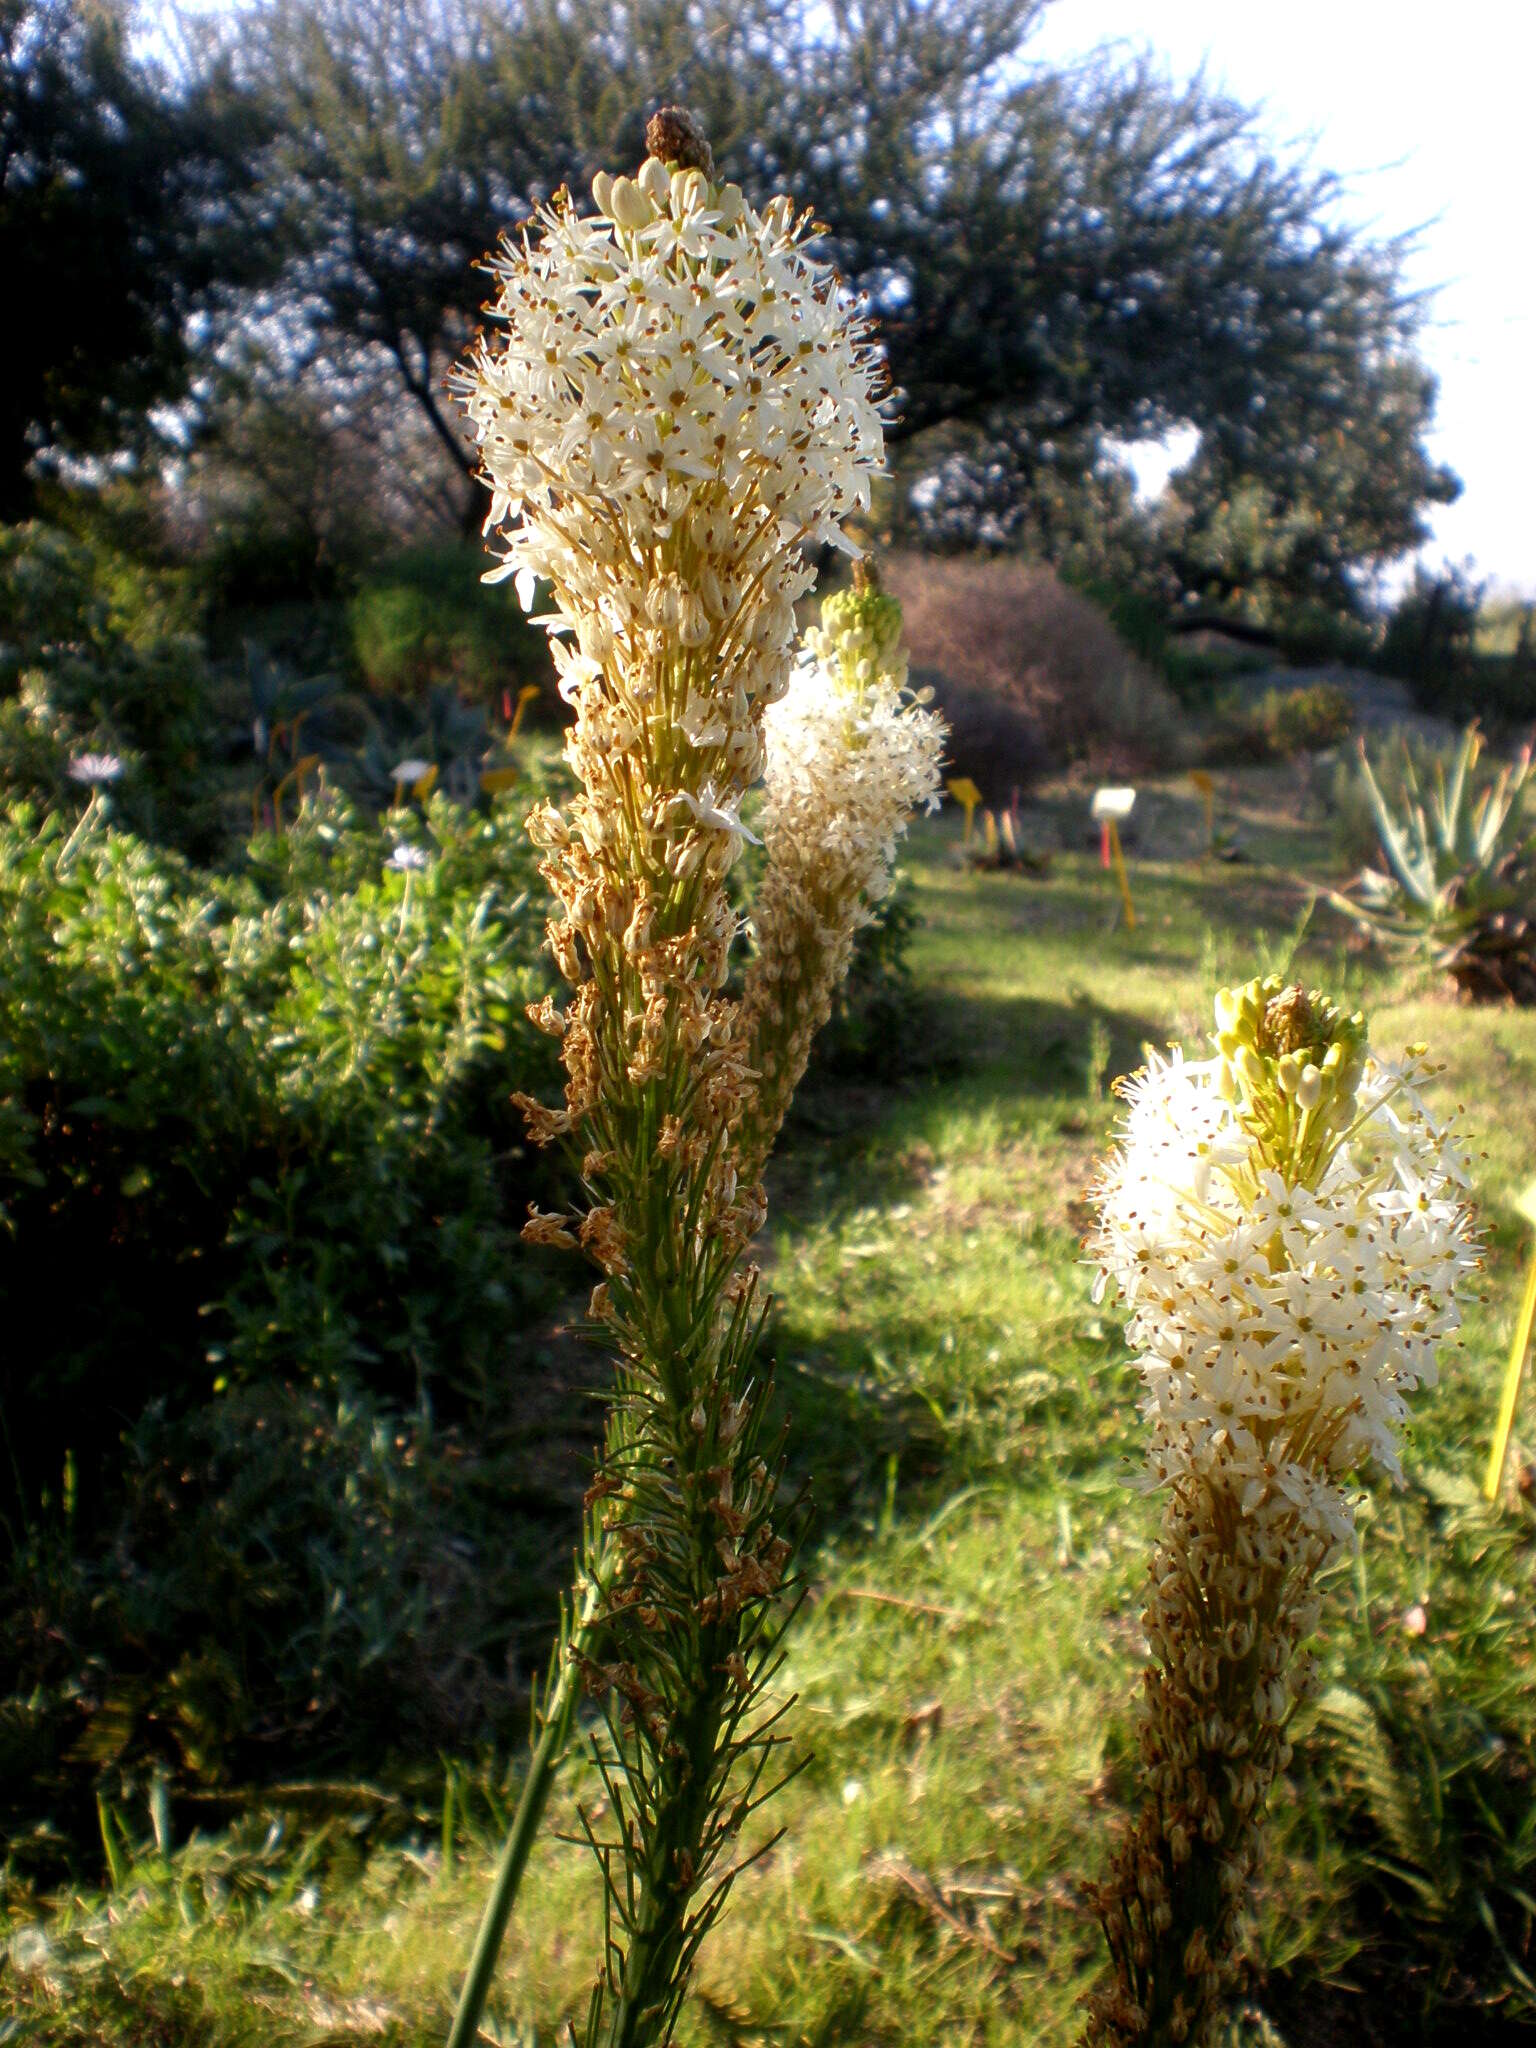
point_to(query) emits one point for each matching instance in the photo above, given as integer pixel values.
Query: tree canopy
(121, 215)
(1057, 258)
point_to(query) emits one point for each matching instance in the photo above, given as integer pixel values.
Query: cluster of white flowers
(1287, 1224)
(1279, 1325)
(681, 403)
(853, 755)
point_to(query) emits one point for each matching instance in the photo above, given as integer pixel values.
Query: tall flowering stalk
(679, 403)
(1286, 1223)
(852, 755)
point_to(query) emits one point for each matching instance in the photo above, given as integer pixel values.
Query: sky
(1428, 113)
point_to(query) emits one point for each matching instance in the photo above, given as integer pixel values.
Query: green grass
(966, 1659)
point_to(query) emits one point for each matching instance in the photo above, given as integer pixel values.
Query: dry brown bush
(1030, 675)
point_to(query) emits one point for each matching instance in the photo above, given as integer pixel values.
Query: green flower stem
(554, 1739)
(658, 1963)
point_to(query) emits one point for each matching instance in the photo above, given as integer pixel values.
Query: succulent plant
(1451, 855)
(1459, 881)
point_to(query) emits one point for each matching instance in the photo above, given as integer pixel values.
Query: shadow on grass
(877, 1417)
(1017, 1063)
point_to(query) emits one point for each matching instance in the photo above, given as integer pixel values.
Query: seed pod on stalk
(678, 404)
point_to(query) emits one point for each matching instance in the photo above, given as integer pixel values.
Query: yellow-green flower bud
(655, 181)
(690, 191)
(628, 206)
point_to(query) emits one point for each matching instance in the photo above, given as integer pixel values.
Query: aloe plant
(1453, 855)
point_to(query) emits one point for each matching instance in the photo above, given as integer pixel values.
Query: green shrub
(1418, 1762)
(1460, 660)
(876, 1031)
(1280, 723)
(393, 1014)
(260, 1182)
(289, 1582)
(425, 618)
(258, 1127)
(1310, 634)
(98, 655)
(1430, 637)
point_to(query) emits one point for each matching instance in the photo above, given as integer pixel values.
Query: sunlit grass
(965, 1418)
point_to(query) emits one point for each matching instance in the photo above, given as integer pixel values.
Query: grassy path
(964, 1415)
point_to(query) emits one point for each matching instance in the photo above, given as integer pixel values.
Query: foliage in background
(265, 1116)
(294, 495)
(1284, 526)
(280, 1582)
(104, 653)
(425, 618)
(1442, 638)
(1279, 723)
(100, 654)
(112, 181)
(1299, 504)
(992, 492)
(966, 186)
(1026, 672)
(259, 1180)
(879, 1029)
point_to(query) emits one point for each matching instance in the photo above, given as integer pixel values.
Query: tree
(1054, 256)
(407, 134)
(1307, 506)
(119, 219)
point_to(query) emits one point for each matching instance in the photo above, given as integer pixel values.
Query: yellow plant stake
(1494, 1477)
(1111, 807)
(965, 792)
(525, 697)
(1207, 788)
